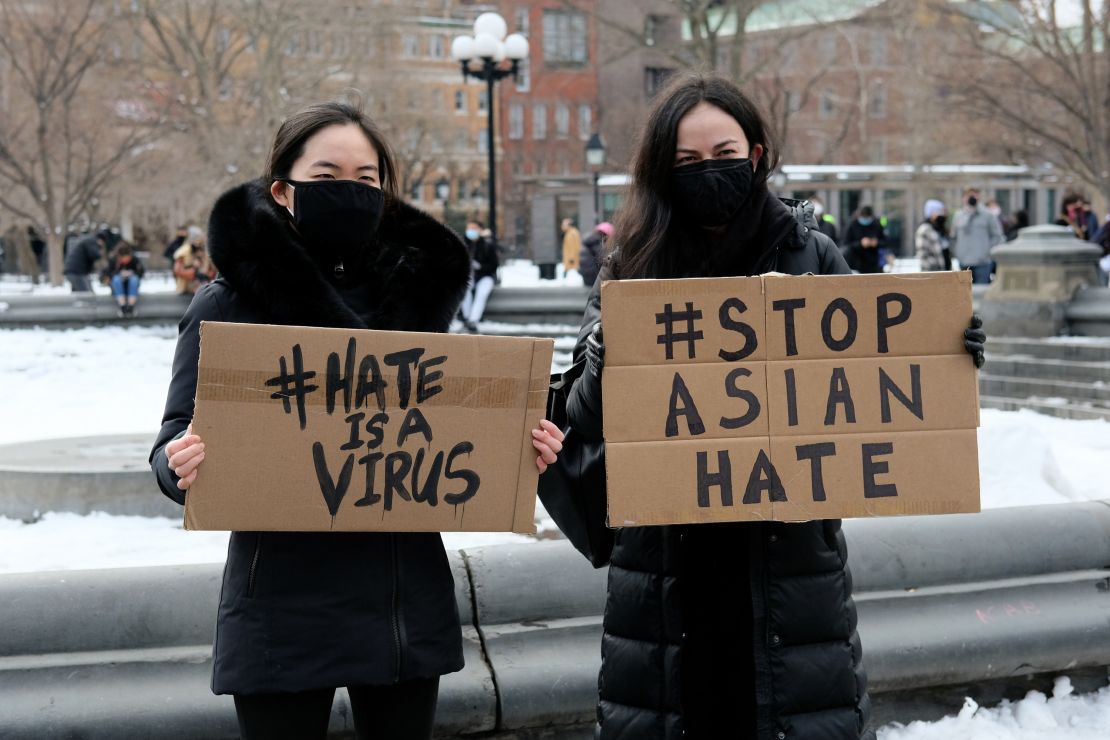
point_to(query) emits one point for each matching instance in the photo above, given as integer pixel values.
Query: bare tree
(1038, 71)
(61, 147)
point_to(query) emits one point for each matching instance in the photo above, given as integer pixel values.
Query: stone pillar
(1038, 275)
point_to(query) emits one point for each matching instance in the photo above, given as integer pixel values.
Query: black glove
(974, 339)
(595, 352)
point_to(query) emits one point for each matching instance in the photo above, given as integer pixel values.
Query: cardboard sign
(309, 429)
(788, 398)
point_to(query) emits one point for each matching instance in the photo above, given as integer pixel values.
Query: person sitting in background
(191, 266)
(931, 239)
(124, 273)
(862, 241)
(593, 252)
(82, 258)
(484, 262)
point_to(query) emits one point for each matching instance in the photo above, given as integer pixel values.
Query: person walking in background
(976, 231)
(82, 257)
(572, 246)
(826, 222)
(862, 241)
(1075, 213)
(931, 238)
(484, 262)
(174, 244)
(124, 273)
(191, 266)
(1019, 221)
(593, 252)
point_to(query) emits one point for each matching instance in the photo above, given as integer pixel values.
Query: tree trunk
(55, 258)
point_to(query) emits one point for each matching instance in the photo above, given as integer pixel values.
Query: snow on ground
(1036, 717)
(154, 282)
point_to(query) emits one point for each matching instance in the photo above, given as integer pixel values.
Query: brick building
(545, 119)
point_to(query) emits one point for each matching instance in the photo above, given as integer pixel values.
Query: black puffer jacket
(301, 611)
(750, 621)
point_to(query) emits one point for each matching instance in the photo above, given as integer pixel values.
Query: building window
(877, 151)
(460, 102)
(655, 78)
(539, 121)
(417, 192)
(483, 144)
(564, 37)
(827, 107)
(541, 165)
(521, 15)
(793, 101)
(435, 46)
(877, 106)
(562, 121)
(516, 121)
(585, 122)
(483, 100)
(523, 76)
(410, 46)
(878, 49)
(828, 48)
(340, 45)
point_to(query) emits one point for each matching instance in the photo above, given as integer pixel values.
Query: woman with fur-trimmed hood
(324, 240)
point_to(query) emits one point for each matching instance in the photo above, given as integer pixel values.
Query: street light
(595, 160)
(490, 47)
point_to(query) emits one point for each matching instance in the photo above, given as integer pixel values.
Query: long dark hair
(641, 230)
(289, 142)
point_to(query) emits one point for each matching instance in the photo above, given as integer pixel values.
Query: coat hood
(419, 268)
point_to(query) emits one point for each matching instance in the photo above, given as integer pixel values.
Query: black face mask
(940, 223)
(710, 193)
(972, 201)
(338, 218)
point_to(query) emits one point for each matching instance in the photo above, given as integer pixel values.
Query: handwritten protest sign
(311, 429)
(788, 398)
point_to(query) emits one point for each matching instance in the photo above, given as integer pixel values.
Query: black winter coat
(82, 256)
(302, 611)
(750, 621)
(483, 252)
(864, 259)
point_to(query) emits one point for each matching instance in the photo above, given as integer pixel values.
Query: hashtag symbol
(668, 319)
(293, 385)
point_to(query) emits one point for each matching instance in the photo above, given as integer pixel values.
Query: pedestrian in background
(593, 252)
(572, 246)
(826, 222)
(192, 267)
(863, 240)
(1075, 213)
(977, 230)
(82, 257)
(1018, 221)
(174, 244)
(124, 273)
(931, 240)
(484, 262)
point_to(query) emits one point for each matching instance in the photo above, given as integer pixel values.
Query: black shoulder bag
(573, 489)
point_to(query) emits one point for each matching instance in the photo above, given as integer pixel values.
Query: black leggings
(403, 711)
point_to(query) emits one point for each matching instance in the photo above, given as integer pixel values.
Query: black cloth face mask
(337, 218)
(710, 193)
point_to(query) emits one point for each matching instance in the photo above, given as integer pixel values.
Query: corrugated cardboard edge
(190, 522)
(528, 476)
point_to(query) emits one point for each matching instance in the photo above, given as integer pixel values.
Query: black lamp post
(595, 160)
(490, 47)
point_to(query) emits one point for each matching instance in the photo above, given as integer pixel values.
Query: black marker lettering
(370, 381)
(370, 462)
(791, 397)
(727, 322)
(888, 388)
(722, 478)
(424, 379)
(885, 320)
(788, 306)
(333, 491)
(405, 361)
(849, 311)
(355, 420)
(679, 392)
(732, 390)
(839, 393)
(414, 423)
(377, 433)
(341, 381)
(871, 468)
(814, 453)
(429, 492)
(473, 482)
(763, 477)
(397, 466)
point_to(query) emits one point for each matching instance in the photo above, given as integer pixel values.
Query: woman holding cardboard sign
(744, 630)
(324, 240)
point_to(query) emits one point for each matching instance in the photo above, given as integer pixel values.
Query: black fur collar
(414, 279)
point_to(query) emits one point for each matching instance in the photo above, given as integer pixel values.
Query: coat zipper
(254, 564)
(395, 611)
